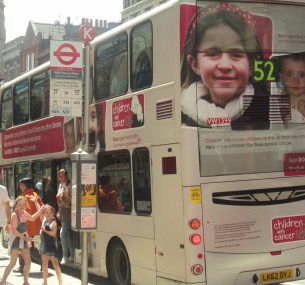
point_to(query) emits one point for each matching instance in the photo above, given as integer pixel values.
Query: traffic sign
(66, 66)
(66, 54)
(87, 33)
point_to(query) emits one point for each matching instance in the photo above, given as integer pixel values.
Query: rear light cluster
(196, 239)
(197, 269)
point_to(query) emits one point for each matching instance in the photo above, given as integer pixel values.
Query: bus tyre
(118, 265)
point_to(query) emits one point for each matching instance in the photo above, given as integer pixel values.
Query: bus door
(168, 211)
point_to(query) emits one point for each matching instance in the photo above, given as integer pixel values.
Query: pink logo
(288, 229)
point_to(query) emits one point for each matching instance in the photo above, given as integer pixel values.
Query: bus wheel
(118, 265)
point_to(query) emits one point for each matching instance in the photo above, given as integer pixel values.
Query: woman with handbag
(64, 215)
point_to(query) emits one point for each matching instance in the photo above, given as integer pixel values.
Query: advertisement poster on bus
(243, 85)
(128, 113)
(34, 138)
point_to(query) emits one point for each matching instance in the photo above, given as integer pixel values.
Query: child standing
(219, 48)
(19, 238)
(48, 243)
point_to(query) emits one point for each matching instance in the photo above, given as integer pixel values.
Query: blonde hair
(50, 207)
(17, 200)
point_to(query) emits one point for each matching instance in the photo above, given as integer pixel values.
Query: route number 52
(265, 70)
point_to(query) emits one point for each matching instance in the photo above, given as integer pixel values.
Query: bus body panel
(266, 221)
(141, 253)
(168, 221)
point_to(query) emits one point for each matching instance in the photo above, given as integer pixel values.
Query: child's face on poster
(293, 77)
(222, 64)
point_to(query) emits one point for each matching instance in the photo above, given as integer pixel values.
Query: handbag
(59, 215)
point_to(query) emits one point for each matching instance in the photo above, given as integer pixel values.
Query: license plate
(276, 275)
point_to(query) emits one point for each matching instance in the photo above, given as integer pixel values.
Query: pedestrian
(33, 227)
(64, 215)
(5, 208)
(48, 243)
(19, 239)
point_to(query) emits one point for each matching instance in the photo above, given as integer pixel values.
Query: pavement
(67, 275)
(35, 273)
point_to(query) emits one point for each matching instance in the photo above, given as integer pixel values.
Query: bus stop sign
(87, 33)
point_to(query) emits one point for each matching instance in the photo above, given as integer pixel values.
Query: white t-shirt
(3, 199)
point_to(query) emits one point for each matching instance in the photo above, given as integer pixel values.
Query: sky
(18, 13)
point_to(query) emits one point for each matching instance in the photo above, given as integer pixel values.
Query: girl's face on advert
(222, 64)
(293, 77)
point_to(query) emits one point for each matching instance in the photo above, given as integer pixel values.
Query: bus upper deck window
(7, 109)
(21, 102)
(141, 57)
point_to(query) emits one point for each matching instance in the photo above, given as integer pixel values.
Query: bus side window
(114, 188)
(141, 57)
(21, 102)
(143, 70)
(40, 96)
(119, 75)
(141, 180)
(110, 67)
(7, 109)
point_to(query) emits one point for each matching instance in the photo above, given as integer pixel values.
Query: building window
(30, 60)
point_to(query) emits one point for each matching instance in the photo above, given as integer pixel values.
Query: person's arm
(7, 211)
(53, 231)
(37, 205)
(67, 193)
(6, 205)
(8, 215)
(36, 215)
